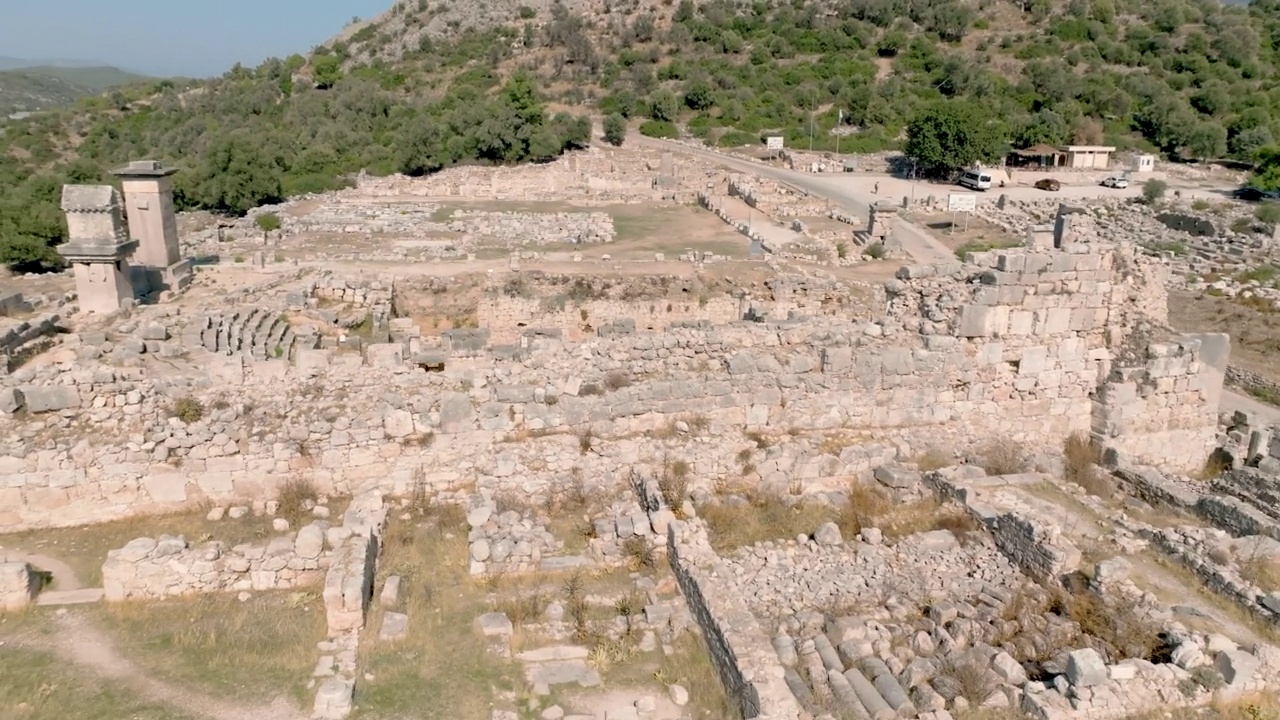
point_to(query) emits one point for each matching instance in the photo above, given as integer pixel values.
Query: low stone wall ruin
(167, 566)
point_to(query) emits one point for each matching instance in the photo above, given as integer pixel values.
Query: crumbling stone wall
(508, 318)
(1161, 407)
(168, 566)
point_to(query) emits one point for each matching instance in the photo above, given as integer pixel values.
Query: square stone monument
(98, 247)
(148, 193)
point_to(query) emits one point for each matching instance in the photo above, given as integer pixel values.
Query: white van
(976, 179)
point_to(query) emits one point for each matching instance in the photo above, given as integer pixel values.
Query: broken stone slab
(17, 586)
(554, 653)
(395, 627)
(494, 624)
(11, 400)
(563, 672)
(897, 477)
(310, 542)
(51, 398)
(390, 596)
(1237, 666)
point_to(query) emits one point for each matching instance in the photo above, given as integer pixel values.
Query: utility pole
(813, 107)
(839, 124)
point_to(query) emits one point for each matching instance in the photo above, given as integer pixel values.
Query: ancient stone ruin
(864, 488)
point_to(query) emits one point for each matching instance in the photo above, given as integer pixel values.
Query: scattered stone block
(334, 700)
(395, 627)
(390, 596)
(828, 534)
(1085, 668)
(1237, 666)
(494, 624)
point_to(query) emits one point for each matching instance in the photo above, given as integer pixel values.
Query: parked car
(1048, 184)
(1119, 182)
(1253, 194)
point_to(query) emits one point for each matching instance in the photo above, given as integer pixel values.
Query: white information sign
(773, 142)
(962, 202)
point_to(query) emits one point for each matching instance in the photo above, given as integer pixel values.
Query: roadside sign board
(962, 202)
(773, 142)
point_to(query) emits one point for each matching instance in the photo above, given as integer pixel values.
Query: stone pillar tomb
(148, 193)
(97, 247)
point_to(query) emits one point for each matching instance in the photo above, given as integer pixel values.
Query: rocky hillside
(430, 83)
(25, 89)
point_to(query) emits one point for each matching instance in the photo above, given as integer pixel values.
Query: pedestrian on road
(875, 190)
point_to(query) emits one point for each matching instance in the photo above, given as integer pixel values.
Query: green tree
(1266, 174)
(948, 135)
(267, 222)
(1206, 140)
(326, 70)
(1154, 190)
(237, 176)
(663, 106)
(615, 129)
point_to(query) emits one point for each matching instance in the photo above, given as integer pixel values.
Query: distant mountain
(29, 88)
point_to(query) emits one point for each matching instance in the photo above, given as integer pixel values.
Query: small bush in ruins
(187, 409)
(673, 483)
(1262, 571)
(933, 459)
(970, 678)
(1116, 630)
(639, 552)
(1081, 456)
(1215, 465)
(585, 439)
(589, 389)
(616, 380)
(297, 497)
(1003, 457)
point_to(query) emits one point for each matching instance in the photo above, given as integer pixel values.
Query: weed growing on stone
(1003, 457)
(1080, 458)
(187, 409)
(297, 496)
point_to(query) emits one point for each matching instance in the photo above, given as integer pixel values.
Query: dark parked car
(1253, 194)
(1048, 184)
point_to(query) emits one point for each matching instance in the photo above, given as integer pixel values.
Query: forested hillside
(436, 82)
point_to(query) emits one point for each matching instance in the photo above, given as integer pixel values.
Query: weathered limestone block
(348, 585)
(50, 398)
(11, 400)
(334, 699)
(17, 586)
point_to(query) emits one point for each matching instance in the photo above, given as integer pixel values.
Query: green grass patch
(255, 650)
(38, 685)
(443, 669)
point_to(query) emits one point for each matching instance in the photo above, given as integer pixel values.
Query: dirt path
(85, 645)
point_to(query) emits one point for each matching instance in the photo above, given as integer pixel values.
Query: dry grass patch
(40, 686)
(296, 497)
(1003, 457)
(442, 669)
(1261, 571)
(690, 665)
(259, 649)
(933, 459)
(85, 547)
(1081, 456)
(758, 516)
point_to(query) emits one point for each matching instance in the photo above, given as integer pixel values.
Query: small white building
(1144, 164)
(1088, 157)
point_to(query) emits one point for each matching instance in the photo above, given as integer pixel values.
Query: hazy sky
(173, 37)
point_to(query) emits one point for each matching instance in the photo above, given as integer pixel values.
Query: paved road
(854, 198)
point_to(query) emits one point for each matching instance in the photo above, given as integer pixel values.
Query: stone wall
(20, 339)
(739, 647)
(168, 566)
(508, 318)
(1162, 408)
(1035, 547)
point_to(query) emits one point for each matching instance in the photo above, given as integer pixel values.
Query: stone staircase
(256, 332)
